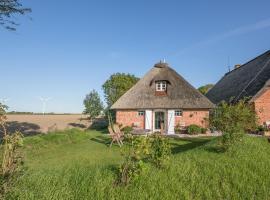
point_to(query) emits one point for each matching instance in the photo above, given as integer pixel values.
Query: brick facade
(131, 118)
(262, 107)
(197, 117)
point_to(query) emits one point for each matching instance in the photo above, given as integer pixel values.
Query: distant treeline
(32, 113)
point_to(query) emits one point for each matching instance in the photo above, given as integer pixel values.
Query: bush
(127, 130)
(140, 150)
(203, 130)
(235, 118)
(193, 129)
(133, 165)
(230, 139)
(99, 124)
(160, 150)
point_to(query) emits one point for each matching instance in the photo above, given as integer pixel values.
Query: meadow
(77, 164)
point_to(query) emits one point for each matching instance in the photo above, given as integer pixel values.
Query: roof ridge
(266, 52)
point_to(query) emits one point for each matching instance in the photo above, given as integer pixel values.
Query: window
(178, 113)
(161, 86)
(141, 113)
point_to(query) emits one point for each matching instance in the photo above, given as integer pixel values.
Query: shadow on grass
(215, 149)
(192, 143)
(99, 124)
(26, 128)
(77, 125)
(102, 140)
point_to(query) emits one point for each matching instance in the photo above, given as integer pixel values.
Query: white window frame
(161, 86)
(141, 113)
(178, 113)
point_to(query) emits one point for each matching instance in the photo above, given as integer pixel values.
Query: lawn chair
(115, 137)
(117, 130)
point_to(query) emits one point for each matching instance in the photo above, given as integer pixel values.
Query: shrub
(134, 156)
(203, 130)
(193, 129)
(130, 170)
(155, 149)
(127, 130)
(160, 150)
(230, 139)
(234, 118)
(99, 124)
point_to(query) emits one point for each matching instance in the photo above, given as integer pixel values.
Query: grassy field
(79, 165)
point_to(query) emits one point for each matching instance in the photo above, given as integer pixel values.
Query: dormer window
(161, 86)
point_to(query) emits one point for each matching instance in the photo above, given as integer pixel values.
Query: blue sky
(71, 47)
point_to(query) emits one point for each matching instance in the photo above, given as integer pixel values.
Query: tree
(205, 88)
(9, 8)
(93, 104)
(117, 85)
(233, 120)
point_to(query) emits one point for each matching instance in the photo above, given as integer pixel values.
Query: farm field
(79, 165)
(32, 124)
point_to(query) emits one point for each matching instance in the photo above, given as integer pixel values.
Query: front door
(159, 120)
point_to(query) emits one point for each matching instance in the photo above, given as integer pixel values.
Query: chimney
(237, 66)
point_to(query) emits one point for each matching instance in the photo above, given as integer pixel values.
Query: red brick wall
(129, 118)
(193, 117)
(262, 107)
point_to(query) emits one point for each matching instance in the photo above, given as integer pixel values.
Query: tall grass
(79, 165)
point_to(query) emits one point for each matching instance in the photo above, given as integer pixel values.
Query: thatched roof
(180, 94)
(244, 81)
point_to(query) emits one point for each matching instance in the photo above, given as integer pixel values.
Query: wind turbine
(44, 101)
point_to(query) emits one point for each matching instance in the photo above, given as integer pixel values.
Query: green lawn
(79, 165)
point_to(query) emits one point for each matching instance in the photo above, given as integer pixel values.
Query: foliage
(99, 124)
(133, 164)
(204, 89)
(203, 130)
(9, 8)
(234, 118)
(127, 129)
(11, 158)
(193, 129)
(160, 150)
(177, 128)
(230, 139)
(117, 85)
(261, 128)
(93, 104)
(155, 149)
(87, 170)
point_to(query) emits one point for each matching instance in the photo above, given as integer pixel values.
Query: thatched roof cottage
(161, 100)
(251, 80)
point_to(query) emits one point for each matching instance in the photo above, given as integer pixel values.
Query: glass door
(159, 120)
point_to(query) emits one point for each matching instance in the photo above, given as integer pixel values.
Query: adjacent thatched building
(162, 98)
(248, 80)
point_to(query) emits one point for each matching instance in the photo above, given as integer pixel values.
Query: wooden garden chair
(115, 137)
(117, 130)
